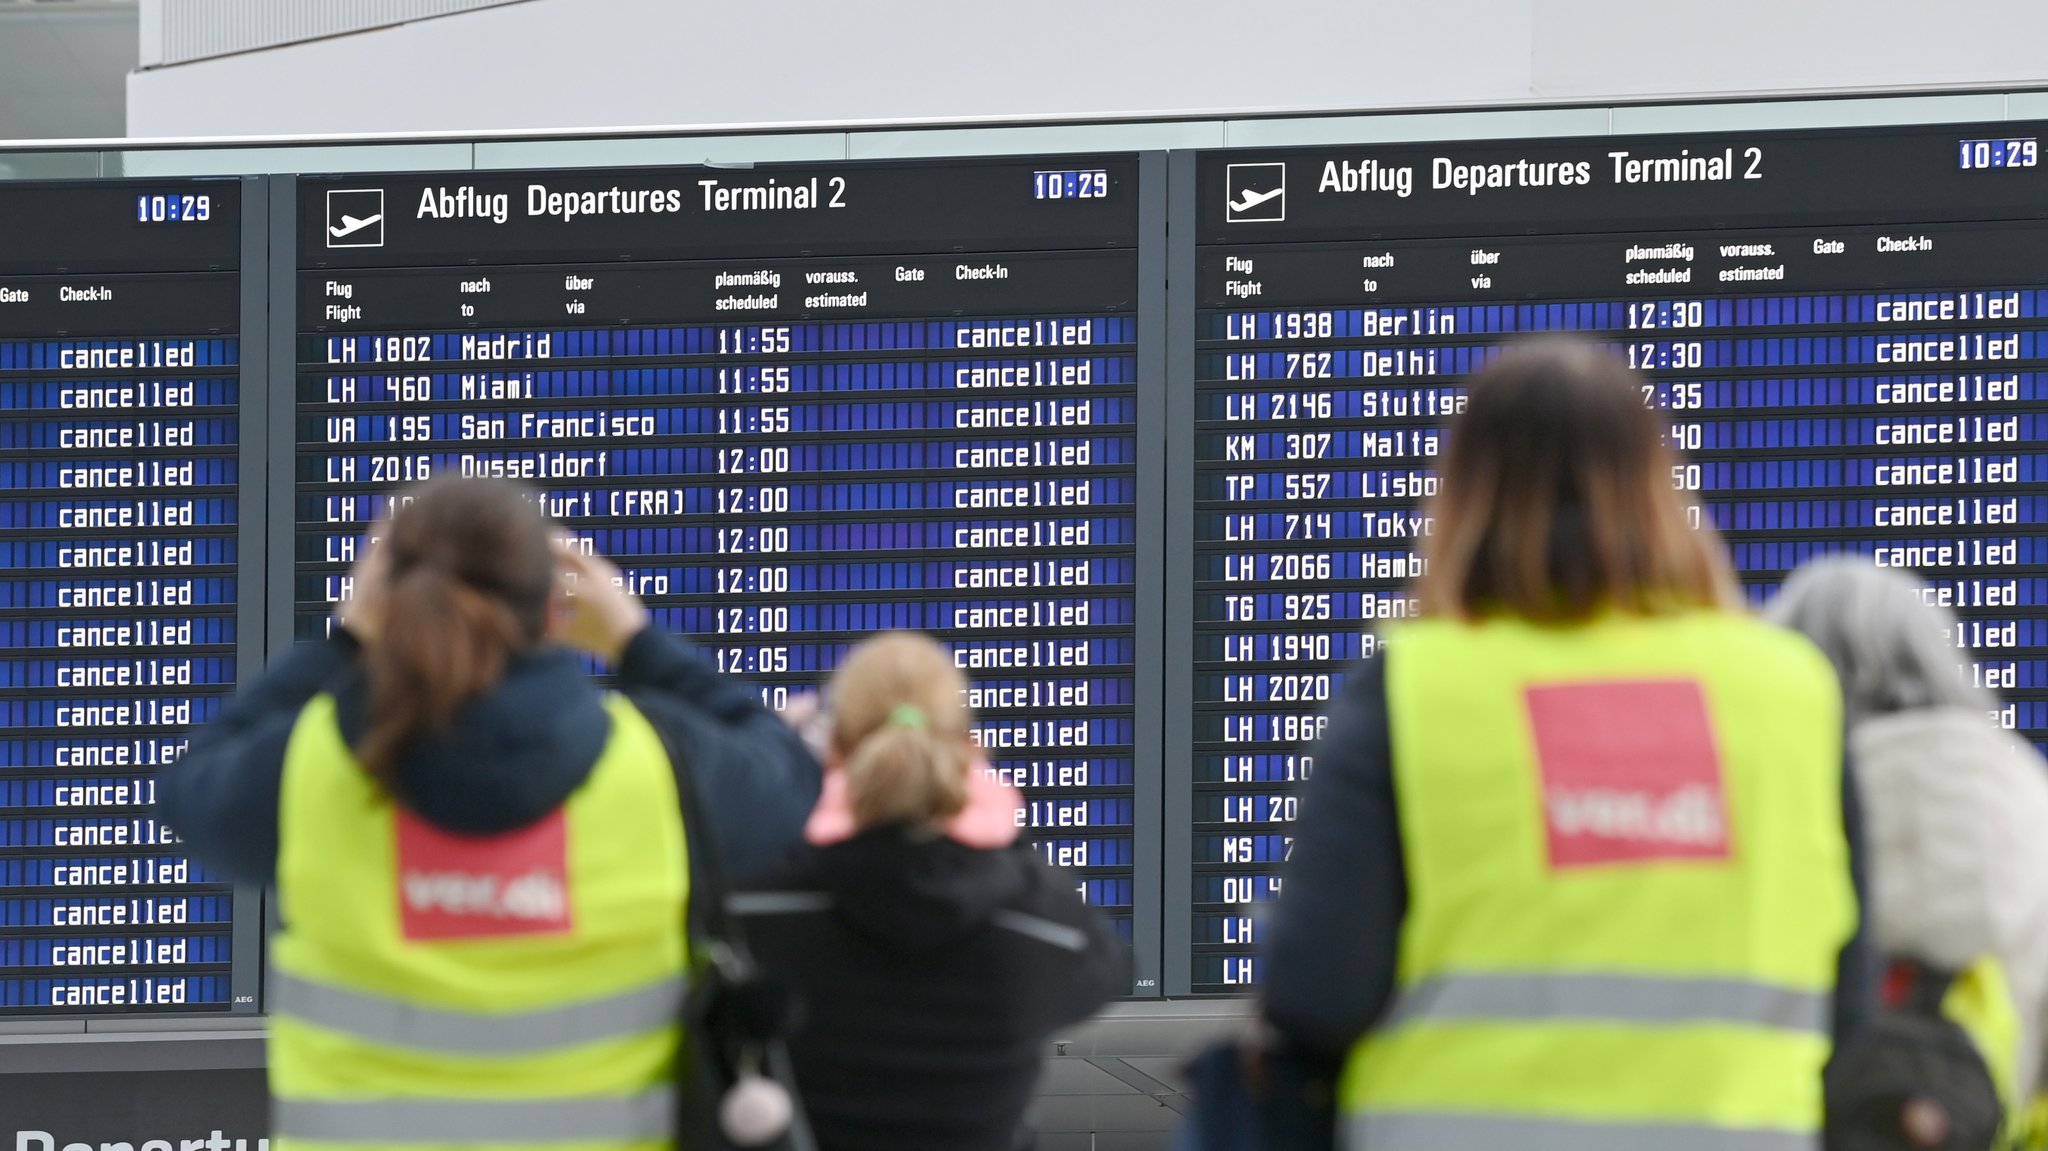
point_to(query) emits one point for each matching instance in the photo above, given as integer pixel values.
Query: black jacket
(932, 974)
(1333, 940)
(508, 758)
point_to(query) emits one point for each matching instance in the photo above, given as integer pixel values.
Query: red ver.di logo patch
(1630, 772)
(472, 887)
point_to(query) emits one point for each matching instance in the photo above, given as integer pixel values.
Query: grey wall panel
(254, 517)
(569, 64)
(1155, 675)
(1178, 600)
(177, 31)
(63, 71)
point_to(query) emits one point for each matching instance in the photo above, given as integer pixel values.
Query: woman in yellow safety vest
(480, 857)
(1575, 871)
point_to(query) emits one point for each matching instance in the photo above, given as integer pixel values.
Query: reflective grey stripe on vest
(777, 902)
(1618, 998)
(648, 1116)
(1427, 1131)
(381, 1020)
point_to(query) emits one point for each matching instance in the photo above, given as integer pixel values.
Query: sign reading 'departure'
(214, 1140)
(219, 1110)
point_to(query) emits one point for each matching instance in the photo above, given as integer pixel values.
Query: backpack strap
(1910, 985)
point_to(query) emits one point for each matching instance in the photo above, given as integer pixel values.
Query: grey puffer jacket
(1956, 822)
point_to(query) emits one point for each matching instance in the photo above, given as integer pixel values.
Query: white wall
(554, 64)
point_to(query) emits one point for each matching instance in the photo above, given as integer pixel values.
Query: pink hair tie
(988, 821)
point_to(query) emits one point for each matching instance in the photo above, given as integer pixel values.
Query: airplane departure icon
(1245, 202)
(350, 225)
(1255, 193)
(355, 218)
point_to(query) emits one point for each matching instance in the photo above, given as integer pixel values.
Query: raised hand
(596, 613)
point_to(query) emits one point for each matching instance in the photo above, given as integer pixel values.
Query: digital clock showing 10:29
(173, 209)
(1088, 185)
(1974, 154)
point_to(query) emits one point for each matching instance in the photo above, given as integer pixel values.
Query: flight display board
(1155, 517)
(121, 530)
(1843, 332)
(796, 406)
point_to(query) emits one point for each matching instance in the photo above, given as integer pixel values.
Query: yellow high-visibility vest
(1628, 889)
(1980, 1002)
(491, 992)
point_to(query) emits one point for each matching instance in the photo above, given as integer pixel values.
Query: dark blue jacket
(507, 759)
(1333, 939)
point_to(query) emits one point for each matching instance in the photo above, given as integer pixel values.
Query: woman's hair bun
(900, 726)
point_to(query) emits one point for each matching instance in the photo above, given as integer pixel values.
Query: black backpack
(1914, 1081)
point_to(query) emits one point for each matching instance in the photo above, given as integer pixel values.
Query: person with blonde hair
(1957, 807)
(1575, 871)
(934, 953)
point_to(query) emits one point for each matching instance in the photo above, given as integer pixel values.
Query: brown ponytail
(900, 726)
(470, 571)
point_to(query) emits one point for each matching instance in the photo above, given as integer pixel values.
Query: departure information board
(796, 406)
(1145, 440)
(1845, 334)
(120, 528)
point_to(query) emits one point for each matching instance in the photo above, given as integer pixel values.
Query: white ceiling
(64, 68)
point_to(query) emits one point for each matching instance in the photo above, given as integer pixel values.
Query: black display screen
(796, 406)
(120, 537)
(1844, 333)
